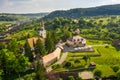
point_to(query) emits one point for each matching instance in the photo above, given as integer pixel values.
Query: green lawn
(110, 56)
(106, 70)
(97, 42)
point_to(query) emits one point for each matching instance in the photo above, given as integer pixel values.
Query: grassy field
(109, 56)
(5, 22)
(97, 42)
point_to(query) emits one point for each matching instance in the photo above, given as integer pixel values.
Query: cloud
(26, 6)
(110, 2)
(116, 1)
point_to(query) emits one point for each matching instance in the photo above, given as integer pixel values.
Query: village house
(52, 57)
(32, 41)
(76, 41)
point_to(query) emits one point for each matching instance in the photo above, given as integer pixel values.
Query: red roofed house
(52, 57)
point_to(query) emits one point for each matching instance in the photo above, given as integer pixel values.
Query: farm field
(5, 22)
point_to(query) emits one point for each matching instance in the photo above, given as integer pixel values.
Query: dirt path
(62, 59)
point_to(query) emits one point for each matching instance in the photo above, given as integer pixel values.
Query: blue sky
(36, 6)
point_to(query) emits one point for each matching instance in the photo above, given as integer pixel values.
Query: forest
(82, 12)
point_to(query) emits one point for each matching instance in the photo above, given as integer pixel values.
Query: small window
(81, 39)
(74, 40)
(74, 43)
(80, 42)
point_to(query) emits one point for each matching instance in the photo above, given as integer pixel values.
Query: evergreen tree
(40, 72)
(28, 51)
(39, 48)
(66, 34)
(53, 36)
(49, 42)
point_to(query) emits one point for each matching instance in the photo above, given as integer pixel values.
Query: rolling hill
(79, 12)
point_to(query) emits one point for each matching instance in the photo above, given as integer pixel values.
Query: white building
(42, 31)
(76, 41)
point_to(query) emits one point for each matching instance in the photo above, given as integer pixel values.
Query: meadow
(110, 56)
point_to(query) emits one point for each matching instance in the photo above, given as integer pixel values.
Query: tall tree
(53, 37)
(49, 42)
(28, 51)
(13, 46)
(66, 32)
(11, 64)
(40, 72)
(40, 48)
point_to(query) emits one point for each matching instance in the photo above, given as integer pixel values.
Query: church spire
(42, 23)
(42, 31)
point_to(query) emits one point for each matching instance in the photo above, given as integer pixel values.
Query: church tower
(42, 31)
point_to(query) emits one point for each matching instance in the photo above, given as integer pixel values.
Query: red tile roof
(33, 40)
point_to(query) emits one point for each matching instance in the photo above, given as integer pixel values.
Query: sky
(37, 6)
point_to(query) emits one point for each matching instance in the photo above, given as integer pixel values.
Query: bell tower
(42, 31)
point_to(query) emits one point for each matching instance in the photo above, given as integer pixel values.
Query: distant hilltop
(80, 12)
(26, 14)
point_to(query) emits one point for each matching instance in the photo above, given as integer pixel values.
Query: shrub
(115, 68)
(93, 79)
(68, 64)
(118, 75)
(71, 78)
(56, 66)
(78, 78)
(106, 46)
(60, 79)
(28, 77)
(97, 72)
(77, 61)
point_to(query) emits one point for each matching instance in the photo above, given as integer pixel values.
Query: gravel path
(62, 59)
